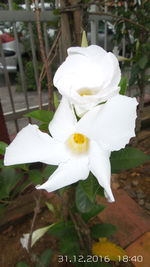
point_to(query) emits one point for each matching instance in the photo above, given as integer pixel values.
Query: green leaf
(2, 148)
(102, 230)
(35, 176)
(48, 171)
(45, 258)
(44, 127)
(1, 163)
(50, 207)
(69, 246)
(41, 115)
(143, 61)
(83, 203)
(24, 167)
(123, 85)
(22, 264)
(127, 158)
(90, 186)
(96, 210)
(8, 180)
(61, 229)
(84, 42)
(56, 100)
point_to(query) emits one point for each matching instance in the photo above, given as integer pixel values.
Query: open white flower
(77, 147)
(88, 76)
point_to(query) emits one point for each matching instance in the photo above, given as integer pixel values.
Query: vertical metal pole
(94, 26)
(3, 129)
(7, 81)
(33, 47)
(105, 30)
(22, 74)
(47, 48)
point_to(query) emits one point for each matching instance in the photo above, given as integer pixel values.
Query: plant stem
(36, 212)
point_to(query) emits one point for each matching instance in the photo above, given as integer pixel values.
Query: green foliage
(41, 115)
(102, 230)
(86, 192)
(123, 85)
(35, 176)
(8, 180)
(69, 245)
(22, 264)
(61, 229)
(29, 71)
(92, 213)
(3, 146)
(48, 171)
(83, 203)
(45, 258)
(142, 62)
(127, 158)
(91, 187)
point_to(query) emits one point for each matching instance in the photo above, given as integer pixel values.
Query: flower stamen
(78, 143)
(86, 91)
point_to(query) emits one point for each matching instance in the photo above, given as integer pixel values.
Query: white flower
(88, 76)
(77, 147)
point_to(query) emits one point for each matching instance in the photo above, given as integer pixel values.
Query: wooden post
(77, 20)
(65, 32)
(3, 129)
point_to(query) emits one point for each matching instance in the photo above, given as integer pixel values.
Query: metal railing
(27, 17)
(19, 18)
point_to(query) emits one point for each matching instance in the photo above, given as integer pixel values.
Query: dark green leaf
(21, 187)
(143, 61)
(96, 210)
(1, 163)
(35, 176)
(61, 229)
(8, 180)
(45, 258)
(127, 158)
(24, 167)
(44, 127)
(102, 230)
(69, 246)
(2, 148)
(90, 186)
(83, 203)
(22, 264)
(123, 85)
(48, 171)
(41, 115)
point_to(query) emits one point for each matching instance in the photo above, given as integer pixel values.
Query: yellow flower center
(86, 91)
(78, 143)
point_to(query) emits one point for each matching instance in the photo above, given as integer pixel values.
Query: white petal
(24, 241)
(91, 51)
(32, 145)
(113, 124)
(63, 122)
(66, 174)
(100, 166)
(91, 67)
